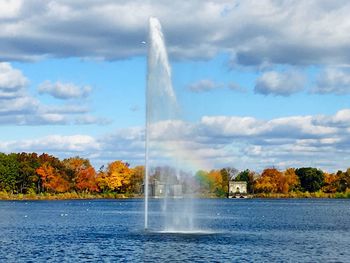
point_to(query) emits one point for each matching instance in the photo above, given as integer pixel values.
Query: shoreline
(87, 196)
(65, 196)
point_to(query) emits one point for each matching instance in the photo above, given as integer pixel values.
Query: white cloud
(58, 144)
(215, 141)
(12, 81)
(17, 107)
(204, 85)
(9, 8)
(340, 119)
(64, 91)
(333, 80)
(20, 105)
(53, 118)
(280, 83)
(255, 32)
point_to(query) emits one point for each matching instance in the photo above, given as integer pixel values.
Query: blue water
(253, 230)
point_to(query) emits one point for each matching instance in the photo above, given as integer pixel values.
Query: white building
(237, 188)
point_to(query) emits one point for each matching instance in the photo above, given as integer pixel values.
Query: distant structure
(237, 189)
(158, 189)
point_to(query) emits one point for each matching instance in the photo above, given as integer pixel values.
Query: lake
(239, 230)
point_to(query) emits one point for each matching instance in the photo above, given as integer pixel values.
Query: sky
(260, 83)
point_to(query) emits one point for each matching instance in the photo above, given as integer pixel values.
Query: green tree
(8, 172)
(28, 180)
(204, 181)
(311, 179)
(247, 176)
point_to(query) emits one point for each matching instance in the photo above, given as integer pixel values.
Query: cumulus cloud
(341, 119)
(204, 85)
(279, 83)
(255, 32)
(18, 107)
(59, 144)
(215, 141)
(333, 80)
(12, 81)
(63, 91)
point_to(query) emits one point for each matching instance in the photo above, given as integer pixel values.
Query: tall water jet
(164, 138)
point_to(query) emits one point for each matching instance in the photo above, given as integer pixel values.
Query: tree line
(274, 181)
(29, 173)
(32, 173)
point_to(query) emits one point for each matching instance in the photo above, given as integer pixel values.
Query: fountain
(164, 141)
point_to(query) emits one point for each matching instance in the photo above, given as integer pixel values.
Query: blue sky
(261, 83)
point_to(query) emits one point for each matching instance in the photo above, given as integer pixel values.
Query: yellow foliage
(330, 183)
(117, 177)
(215, 179)
(274, 181)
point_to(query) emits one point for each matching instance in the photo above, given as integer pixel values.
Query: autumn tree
(343, 180)
(52, 180)
(275, 181)
(86, 180)
(269, 182)
(52, 160)
(331, 182)
(291, 181)
(216, 182)
(117, 177)
(75, 164)
(81, 174)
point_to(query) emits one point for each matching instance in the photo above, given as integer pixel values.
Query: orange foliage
(76, 163)
(269, 181)
(215, 179)
(330, 183)
(274, 181)
(86, 180)
(291, 180)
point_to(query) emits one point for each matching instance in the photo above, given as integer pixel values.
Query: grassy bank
(65, 196)
(75, 195)
(303, 195)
